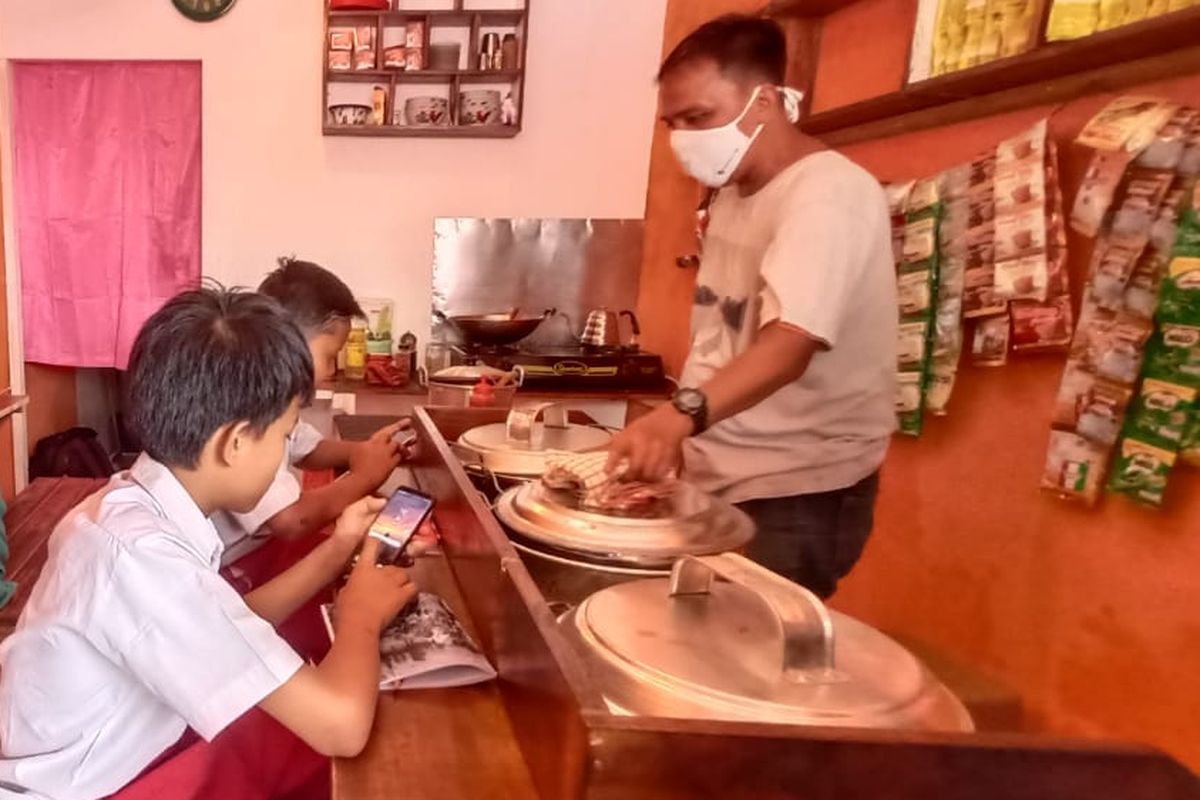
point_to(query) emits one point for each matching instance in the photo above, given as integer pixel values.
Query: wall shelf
(404, 131)
(1152, 49)
(424, 76)
(398, 82)
(444, 17)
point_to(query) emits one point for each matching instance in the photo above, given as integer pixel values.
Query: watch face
(689, 400)
(203, 10)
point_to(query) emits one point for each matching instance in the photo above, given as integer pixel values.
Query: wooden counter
(543, 729)
(416, 392)
(437, 743)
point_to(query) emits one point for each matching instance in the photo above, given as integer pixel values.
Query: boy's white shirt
(129, 637)
(240, 532)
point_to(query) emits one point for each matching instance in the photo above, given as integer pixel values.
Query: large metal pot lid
(520, 445)
(699, 525)
(756, 646)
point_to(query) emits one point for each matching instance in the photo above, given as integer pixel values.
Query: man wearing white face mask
(789, 388)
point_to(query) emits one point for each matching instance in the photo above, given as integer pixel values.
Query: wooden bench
(28, 525)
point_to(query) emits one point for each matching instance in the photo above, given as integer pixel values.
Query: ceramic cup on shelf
(479, 107)
(427, 111)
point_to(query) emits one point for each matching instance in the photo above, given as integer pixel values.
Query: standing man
(788, 393)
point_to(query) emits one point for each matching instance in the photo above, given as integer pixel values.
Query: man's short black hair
(311, 294)
(741, 45)
(210, 357)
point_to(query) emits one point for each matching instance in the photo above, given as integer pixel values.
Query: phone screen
(404, 512)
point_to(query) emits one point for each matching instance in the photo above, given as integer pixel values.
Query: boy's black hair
(741, 45)
(311, 294)
(209, 357)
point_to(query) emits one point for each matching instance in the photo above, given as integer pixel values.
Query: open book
(426, 647)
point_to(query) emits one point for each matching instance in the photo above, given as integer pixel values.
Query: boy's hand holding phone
(354, 522)
(374, 594)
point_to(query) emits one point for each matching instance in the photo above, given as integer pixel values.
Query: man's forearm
(778, 356)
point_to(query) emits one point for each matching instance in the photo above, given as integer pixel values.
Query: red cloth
(107, 176)
(255, 758)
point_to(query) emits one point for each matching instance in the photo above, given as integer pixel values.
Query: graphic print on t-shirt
(734, 312)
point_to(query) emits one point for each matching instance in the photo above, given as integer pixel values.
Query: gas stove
(572, 366)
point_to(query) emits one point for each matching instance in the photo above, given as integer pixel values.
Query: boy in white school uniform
(323, 308)
(131, 636)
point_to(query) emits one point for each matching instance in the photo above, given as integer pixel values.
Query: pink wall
(273, 185)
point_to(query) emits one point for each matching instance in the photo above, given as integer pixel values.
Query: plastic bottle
(356, 354)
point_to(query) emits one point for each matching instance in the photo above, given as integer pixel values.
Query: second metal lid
(755, 646)
(699, 525)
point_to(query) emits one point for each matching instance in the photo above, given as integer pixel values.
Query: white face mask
(712, 155)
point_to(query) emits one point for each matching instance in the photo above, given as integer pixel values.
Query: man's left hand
(650, 446)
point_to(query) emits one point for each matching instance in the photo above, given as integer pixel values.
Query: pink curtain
(107, 201)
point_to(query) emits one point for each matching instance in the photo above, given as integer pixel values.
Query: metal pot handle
(519, 426)
(804, 621)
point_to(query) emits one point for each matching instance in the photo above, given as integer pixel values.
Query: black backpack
(76, 453)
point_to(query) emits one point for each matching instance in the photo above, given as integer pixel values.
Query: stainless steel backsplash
(483, 266)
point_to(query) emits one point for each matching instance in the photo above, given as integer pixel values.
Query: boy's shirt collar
(176, 505)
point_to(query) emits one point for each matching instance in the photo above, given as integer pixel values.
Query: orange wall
(52, 404)
(1089, 614)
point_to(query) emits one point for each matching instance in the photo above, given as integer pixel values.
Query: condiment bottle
(378, 105)
(509, 52)
(356, 354)
(489, 52)
(408, 342)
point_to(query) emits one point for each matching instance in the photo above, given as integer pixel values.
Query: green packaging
(1161, 413)
(1141, 471)
(1173, 354)
(910, 387)
(1189, 446)
(1180, 298)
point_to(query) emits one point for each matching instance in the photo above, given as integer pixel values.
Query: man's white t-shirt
(130, 636)
(811, 249)
(241, 533)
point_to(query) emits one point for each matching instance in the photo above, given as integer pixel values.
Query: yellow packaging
(1016, 26)
(974, 21)
(1135, 11)
(948, 41)
(989, 41)
(1072, 19)
(1112, 14)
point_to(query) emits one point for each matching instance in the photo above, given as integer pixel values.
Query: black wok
(494, 330)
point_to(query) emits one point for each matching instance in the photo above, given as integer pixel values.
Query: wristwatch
(693, 404)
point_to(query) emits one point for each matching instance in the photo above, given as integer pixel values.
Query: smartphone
(399, 520)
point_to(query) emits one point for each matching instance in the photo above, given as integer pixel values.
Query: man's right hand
(374, 461)
(374, 595)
